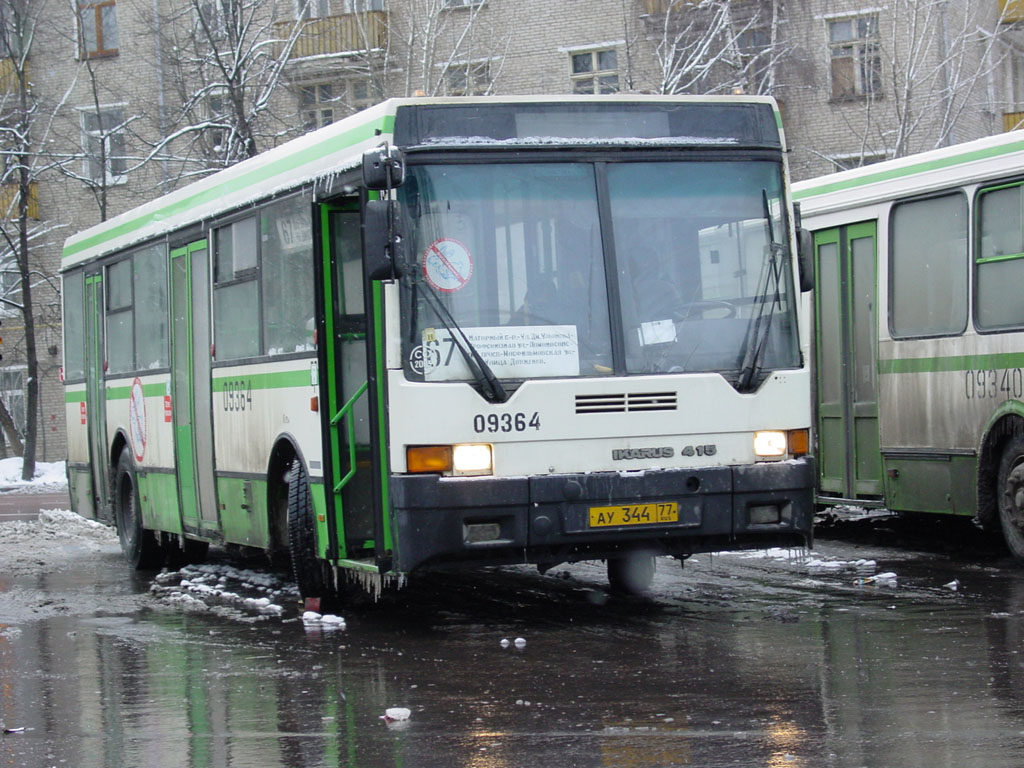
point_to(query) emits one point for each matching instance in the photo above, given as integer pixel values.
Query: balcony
(1013, 121)
(1011, 10)
(9, 201)
(9, 76)
(348, 33)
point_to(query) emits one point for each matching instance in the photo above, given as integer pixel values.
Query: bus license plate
(649, 513)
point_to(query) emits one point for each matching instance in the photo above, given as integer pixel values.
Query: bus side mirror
(383, 239)
(805, 259)
(383, 168)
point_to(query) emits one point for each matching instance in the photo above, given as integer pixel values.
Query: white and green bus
(448, 333)
(920, 333)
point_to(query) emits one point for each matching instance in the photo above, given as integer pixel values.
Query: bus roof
(914, 174)
(315, 156)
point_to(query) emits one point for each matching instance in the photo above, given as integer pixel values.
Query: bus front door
(190, 388)
(846, 296)
(347, 449)
(96, 405)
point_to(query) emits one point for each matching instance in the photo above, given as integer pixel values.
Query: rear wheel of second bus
(1011, 495)
(309, 570)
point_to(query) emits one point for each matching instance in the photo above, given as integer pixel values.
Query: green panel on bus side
(318, 496)
(80, 488)
(158, 499)
(918, 485)
(243, 511)
(964, 480)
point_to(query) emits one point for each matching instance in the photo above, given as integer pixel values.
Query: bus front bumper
(547, 520)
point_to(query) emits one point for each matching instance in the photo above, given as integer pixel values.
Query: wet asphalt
(797, 659)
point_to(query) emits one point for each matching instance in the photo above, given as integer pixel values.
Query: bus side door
(846, 314)
(96, 395)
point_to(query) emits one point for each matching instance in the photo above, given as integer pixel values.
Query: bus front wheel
(140, 547)
(631, 573)
(1011, 495)
(308, 569)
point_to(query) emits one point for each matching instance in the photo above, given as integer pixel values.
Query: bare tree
(24, 128)
(223, 64)
(716, 46)
(914, 76)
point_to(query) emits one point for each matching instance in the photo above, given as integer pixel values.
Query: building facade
(128, 99)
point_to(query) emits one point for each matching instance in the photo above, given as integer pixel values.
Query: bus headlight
(466, 459)
(472, 459)
(770, 443)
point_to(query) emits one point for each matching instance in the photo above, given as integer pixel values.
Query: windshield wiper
(768, 299)
(489, 384)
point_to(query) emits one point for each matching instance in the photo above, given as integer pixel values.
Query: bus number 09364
(237, 395)
(994, 384)
(506, 422)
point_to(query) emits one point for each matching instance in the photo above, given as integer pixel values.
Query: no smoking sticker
(447, 264)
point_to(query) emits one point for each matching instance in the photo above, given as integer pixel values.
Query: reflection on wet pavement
(738, 661)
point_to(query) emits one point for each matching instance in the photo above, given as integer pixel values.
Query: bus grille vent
(626, 403)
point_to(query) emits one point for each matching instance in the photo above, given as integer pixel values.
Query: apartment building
(128, 99)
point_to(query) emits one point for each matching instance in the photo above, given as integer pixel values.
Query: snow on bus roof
(320, 154)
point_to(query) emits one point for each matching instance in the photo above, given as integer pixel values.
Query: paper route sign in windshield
(512, 352)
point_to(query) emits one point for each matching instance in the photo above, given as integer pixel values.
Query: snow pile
(53, 525)
(49, 476)
(212, 587)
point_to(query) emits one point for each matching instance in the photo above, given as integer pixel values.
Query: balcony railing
(9, 76)
(1011, 10)
(1013, 121)
(9, 201)
(348, 33)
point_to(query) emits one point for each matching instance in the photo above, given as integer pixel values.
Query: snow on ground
(226, 590)
(40, 545)
(50, 477)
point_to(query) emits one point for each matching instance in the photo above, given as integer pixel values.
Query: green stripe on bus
(953, 363)
(277, 380)
(910, 170)
(253, 179)
(148, 390)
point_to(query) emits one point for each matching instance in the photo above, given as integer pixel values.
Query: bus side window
(74, 326)
(349, 280)
(287, 275)
(235, 298)
(1000, 264)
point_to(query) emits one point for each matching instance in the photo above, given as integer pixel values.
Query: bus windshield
(525, 259)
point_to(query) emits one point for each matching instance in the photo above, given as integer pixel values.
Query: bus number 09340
(994, 384)
(505, 422)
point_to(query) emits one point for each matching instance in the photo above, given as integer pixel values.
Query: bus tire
(140, 547)
(1011, 495)
(631, 573)
(308, 569)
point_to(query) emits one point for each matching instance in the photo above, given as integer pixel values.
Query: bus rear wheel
(1011, 495)
(140, 547)
(309, 570)
(631, 573)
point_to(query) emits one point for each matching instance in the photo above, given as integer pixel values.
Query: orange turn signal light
(428, 458)
(799, 442)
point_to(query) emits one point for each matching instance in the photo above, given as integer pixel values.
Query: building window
(472, 79)
(318, 104)
(12, 392)
(213, 18)
(856, 65)
(103, 145)
(595, 72)
(312, 9)
(98, 27)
